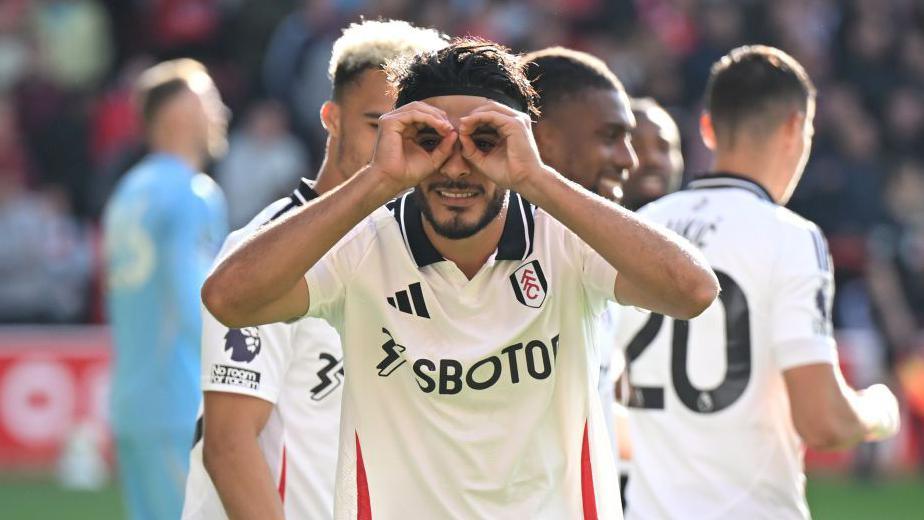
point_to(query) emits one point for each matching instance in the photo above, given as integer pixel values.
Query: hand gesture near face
(498, 141)
(413, 142)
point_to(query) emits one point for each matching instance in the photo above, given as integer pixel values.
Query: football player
(723, 405)
(467, 305)
(267, 442)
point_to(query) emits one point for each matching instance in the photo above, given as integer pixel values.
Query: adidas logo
(402, 301)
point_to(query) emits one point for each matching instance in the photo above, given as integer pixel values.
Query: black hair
(465, 62)
(756, 86)
(559, 74)
(347, 74)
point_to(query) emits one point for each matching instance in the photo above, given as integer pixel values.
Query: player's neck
(328, 177)
(469, 254)
(762, 168)
(189, 154)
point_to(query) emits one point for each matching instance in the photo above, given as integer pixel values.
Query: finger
(424, 107)
(415, 118)
(420, 105)
(494, 106)
(468, 146)
(444, 150)
(505, 124)
(408, 119)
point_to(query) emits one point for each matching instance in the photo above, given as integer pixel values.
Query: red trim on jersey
(363, 507)
(587, 481)
(282, 476)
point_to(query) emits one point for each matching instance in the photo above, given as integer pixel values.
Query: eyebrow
(372, 115)
(485, 129)
(623, 127)
(428, 130)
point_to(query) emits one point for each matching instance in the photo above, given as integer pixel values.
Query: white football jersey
(468, 398)
(297, 367)
(612, 364)
(710, 420)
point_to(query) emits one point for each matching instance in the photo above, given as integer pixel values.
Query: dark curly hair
(467, 62)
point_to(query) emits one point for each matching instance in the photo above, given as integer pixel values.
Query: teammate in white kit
(585, 132)
(273, 393)
(466, 312)
(656, 140)
(723, 404)
(585, 124)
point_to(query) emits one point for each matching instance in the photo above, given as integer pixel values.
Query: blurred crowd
(68, 128)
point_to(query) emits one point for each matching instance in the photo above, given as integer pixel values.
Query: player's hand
(413, 141)
(888, 416)
(498, 141)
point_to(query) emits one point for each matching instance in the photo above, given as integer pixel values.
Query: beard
(455, 228)
(348, 160)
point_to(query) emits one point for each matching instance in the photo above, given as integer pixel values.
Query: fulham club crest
(529, 284)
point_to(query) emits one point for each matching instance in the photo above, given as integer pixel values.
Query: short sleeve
(629, 320)
(251, 361)
(803, 292)
(597, 276)
(329, 278)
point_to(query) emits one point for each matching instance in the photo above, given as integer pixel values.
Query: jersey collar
(516, 242)
(302, 195)
(729, 180)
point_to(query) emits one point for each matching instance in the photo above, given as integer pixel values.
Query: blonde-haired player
(267, 443)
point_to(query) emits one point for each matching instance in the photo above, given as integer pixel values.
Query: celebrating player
(723, 404)
(585, 132)
(656, 140)
(585, 124)
(163, 226)
(466, 312)
(273, 393)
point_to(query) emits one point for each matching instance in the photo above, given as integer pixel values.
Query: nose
(624, 156)
(456, 167)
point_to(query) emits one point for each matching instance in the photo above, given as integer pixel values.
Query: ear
(794, 127)
(330, 118)
(707, 131)
(547, 140)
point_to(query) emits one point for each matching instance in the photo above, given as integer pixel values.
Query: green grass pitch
(37, 498)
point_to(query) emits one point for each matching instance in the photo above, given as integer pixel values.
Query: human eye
(485, 144)
(428, 140)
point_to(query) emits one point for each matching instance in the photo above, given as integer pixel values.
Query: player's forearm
(242, 478)
(850, 417)
(673, 275)
(270, 264)
(842, 432)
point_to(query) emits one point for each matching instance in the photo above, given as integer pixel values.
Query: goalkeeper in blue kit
(163, 226)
